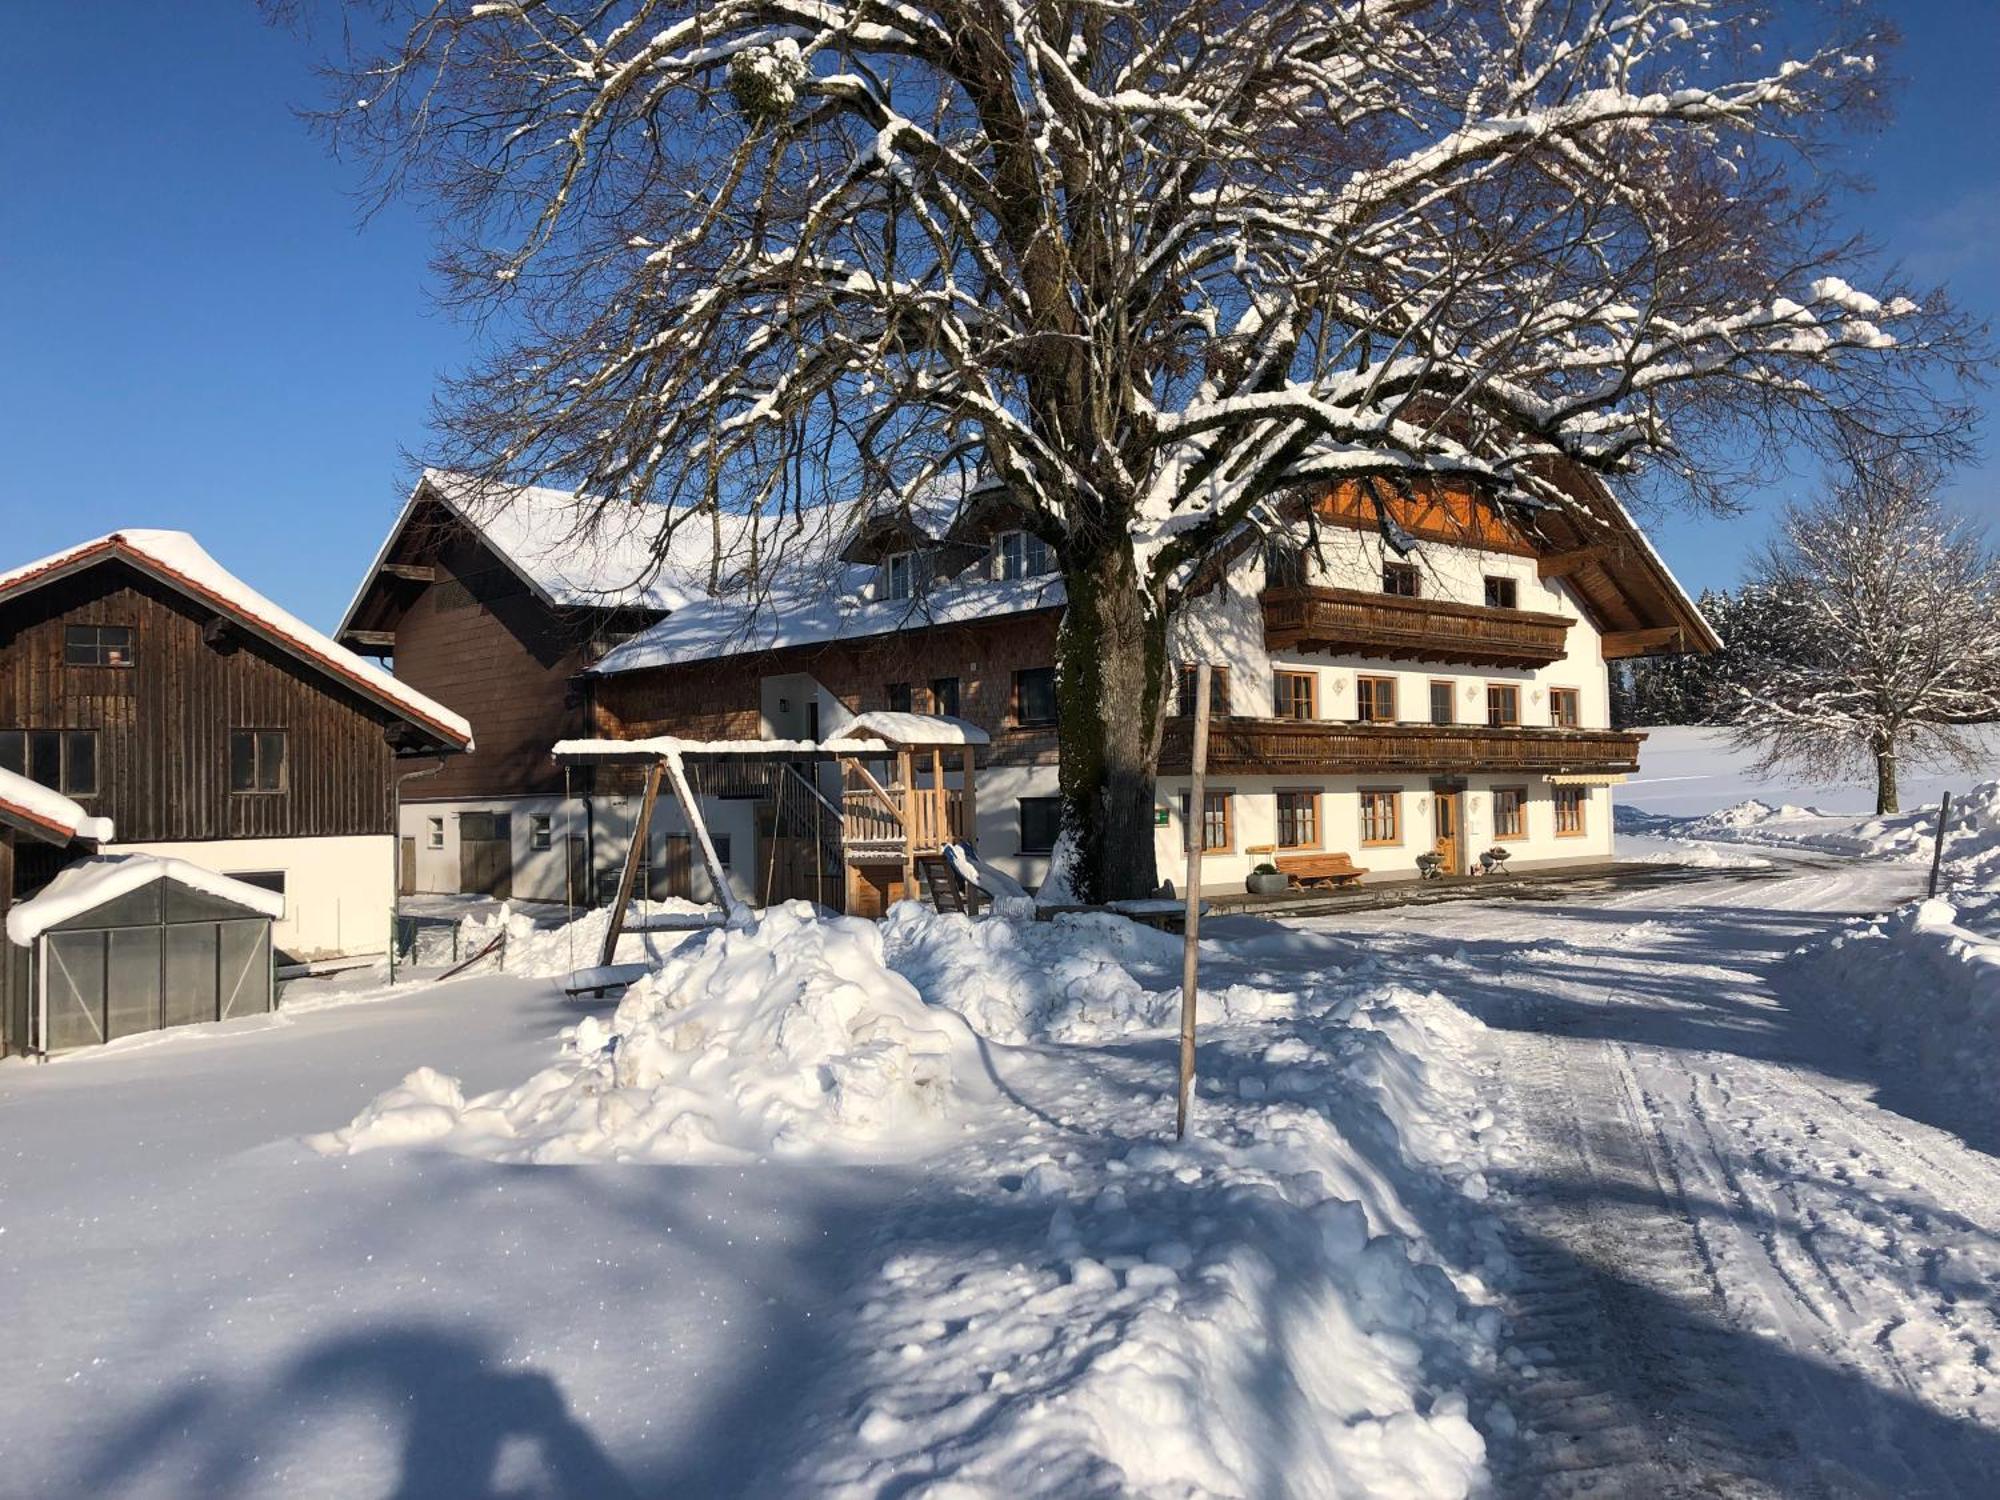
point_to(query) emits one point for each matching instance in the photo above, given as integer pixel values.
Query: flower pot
(1273, 884)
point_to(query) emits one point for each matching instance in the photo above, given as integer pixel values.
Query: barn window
(97, 645)
(434, 832)
(541, 832)
(256, 760)
(63, 760)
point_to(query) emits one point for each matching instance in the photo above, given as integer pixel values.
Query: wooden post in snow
(1195, 826)
(632, 858)
(1937, 844)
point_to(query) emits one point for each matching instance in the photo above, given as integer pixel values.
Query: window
(1218, 691)
(1298, 819)
(434, 832)
(1502, 593)
(944, 696)
(1041, 821)
(899, 697)
(265, 880)
(1035, 695)
(1510, 812)
(1400, 578)
(897, 575)
(1565, 710)
(1375, 700)
(1216, 832)
(1284, 566)
(541, 833)
(1017, 554)
(1381, 816)
(63, 760)
(1443, 710)
(1503, 705)
(97, 645)
(256, 760)
(1294, 695)
(1569, 810)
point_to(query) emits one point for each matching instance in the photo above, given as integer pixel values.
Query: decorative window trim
(1278, 794)
(1394, 796)
(1365, 684)
(1281, 675)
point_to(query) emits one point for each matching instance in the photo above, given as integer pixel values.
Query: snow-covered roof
(89, 883)
(178, 560)
(909, 729)
(661, 746)
(721, 627)
(48, 814)
(573, 552)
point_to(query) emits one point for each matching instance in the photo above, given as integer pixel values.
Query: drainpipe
(396, 852)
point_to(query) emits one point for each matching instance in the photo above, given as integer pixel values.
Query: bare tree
(1870, 631)
(1148, 264)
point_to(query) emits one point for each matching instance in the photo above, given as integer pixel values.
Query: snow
(89, 883)
(180, 560)
(910, 729)
(665, 745)
(1686, 771)
(50, 809)
(724, 626)
(1483, 1198)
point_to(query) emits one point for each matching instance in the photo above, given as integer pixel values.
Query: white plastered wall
(339, 891)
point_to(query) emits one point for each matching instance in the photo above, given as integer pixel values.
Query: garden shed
(122, 944)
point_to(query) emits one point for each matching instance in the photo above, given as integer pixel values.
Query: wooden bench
(1307, 870)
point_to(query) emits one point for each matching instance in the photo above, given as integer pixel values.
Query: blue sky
(196, 332)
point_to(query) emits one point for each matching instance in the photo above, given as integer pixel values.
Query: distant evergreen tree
(1689, 689)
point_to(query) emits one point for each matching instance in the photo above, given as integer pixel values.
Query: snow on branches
(1144, 263)
(1869, 632)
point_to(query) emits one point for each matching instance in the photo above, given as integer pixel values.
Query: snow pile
(537, 950)
(1278, 1306)
(1920, 988)
(1075, 979)
(791, 1038)
(1972, 832)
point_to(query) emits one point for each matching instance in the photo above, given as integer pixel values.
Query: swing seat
(604, 978)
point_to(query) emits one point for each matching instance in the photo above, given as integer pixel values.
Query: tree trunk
(1111, 660)
(1886, 800)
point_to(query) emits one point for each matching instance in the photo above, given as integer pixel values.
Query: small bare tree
(1147, 264)
(1869, 631)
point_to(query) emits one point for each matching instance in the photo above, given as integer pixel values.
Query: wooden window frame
(97, 647)
(1403, 570)
(1508, 584)
(65, 739)
(1362, 681)
(1227, 796)
(1503, 687)
(1218, 690)
(891, 691)
(1280, 675)
(1520, 795)
(1581, 796)
(1021, 843)
(1054, 707)
(1395, 796)
(1451, 701)
(1278, 794)
(937, 697)
(1574, 696)
(284, 785)
(909, 589)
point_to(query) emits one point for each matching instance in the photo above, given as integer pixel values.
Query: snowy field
(1670, 1190)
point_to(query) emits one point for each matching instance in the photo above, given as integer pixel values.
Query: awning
(1587, 778)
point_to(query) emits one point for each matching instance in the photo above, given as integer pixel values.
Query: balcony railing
(1356, 623)
(1249, 747)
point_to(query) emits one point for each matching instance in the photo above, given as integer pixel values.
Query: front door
(1446, 825)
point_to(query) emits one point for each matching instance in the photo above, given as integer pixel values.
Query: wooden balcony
(871, 830)
(1277, 747)
(1352, 622)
